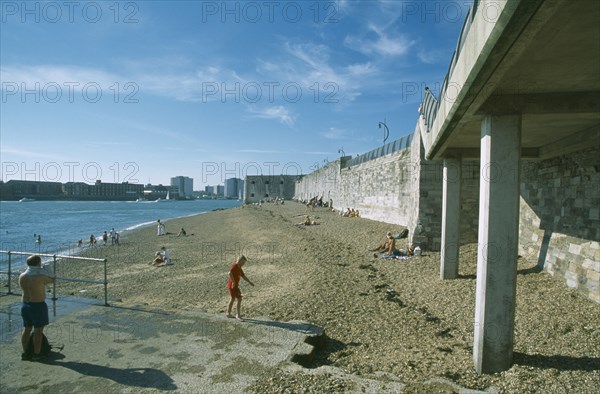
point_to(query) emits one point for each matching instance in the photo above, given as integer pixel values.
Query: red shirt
(236, 272)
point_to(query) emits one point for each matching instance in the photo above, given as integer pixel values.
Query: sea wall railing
(429, 108)
(390, 147)
(431, 104)
(55, 258)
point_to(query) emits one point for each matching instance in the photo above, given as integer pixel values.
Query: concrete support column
(498, 243)
(450, 218)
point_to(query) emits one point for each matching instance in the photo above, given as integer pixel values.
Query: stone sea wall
(560, 218)
(379, 188)
(559, 212)
(399, 188)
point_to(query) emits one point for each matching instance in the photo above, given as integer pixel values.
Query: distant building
(234, 188)
(220, 190)
(99, 191)
(102, 191)
(183, 186)
(209, 190)
(265, 187)
(16, 189)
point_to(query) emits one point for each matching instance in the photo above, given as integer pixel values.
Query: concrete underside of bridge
(526, 86)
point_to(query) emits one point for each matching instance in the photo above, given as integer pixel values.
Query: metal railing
(384, 150)
(429, 107)
(56, 257)
(430, 104)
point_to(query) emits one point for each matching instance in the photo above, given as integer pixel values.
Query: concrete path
(130, 349)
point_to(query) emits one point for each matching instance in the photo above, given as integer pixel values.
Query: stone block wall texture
(378, 188)
(469, 197)
(425, 221)
(560, 218)
(324, 182)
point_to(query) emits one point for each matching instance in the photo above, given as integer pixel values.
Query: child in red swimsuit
(234, 274)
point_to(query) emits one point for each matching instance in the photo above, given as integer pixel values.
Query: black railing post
(9, 273)
(54, 281)
(105, 283)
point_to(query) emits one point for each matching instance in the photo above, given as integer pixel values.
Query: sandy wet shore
(379, 316)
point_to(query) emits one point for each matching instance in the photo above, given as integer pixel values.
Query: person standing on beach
(160, 229)
(233, 283)
(34, 310)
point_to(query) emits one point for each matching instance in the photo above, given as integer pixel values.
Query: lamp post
(386, 131)
(341, 151)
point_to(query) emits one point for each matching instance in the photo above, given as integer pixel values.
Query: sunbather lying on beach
(307, 222)
(397, 253)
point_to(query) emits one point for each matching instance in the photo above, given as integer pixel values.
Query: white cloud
(8, 150)
(279, 113)
(361, 69)
(311, 67)
(258, 151)
(377, 41)
(431, 57)
(202, 84)
(335, 134)
(64, 76)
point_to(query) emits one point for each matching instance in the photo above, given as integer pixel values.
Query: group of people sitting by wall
(275, 200)
(350, 213)
(317, 201)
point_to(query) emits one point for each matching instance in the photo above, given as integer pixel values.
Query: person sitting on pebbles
(162, 258)
(158, 259)
(387, 246)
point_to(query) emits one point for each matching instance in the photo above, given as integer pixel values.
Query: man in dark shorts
(34, 310)
(234, 274)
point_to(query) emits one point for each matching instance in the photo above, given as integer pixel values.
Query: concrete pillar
(498, 243)
(450, 218)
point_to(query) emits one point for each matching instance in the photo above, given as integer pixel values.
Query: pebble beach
(382, 318)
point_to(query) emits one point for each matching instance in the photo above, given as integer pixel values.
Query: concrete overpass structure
(523, 84)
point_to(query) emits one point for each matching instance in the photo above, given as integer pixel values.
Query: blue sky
(141, 91)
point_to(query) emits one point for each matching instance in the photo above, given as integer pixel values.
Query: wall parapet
(387, 149)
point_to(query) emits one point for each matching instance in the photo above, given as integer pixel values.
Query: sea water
(60, 224)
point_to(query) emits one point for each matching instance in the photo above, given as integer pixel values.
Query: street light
(386, 131)
(341, 150)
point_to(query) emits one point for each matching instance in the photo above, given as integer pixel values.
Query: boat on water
(25, 199)
(167, 198)
(142, 199)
